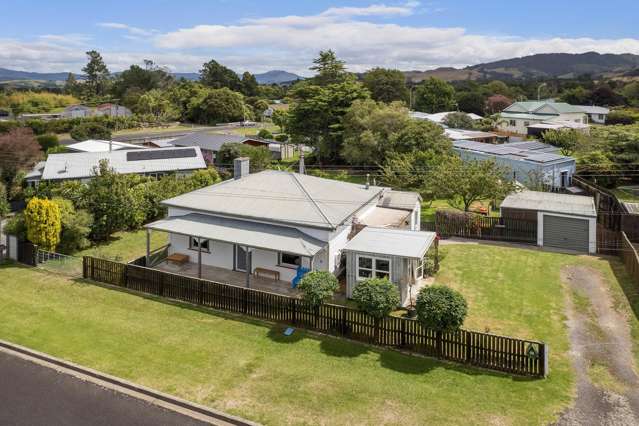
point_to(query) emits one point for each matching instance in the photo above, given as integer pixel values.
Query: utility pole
(302, 168)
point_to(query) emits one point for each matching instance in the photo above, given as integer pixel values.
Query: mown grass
(125, 246)
(249, 368)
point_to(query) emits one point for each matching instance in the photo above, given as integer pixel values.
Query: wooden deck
(227, 276)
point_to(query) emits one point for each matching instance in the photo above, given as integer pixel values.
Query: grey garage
(565, 222)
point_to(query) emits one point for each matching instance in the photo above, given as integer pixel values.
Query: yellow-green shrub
(43, 220)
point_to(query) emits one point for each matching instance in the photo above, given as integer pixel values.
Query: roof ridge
(317, 207)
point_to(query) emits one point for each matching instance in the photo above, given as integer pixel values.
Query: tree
(259, 157)
(631, 93)
(441, 308)
(605, 95)
(368, 127)
(42, 218)
(566, 139)
(498, 87)
(97, 74)
(280, 119)
(459, 120)
(596, 166)
(217, 106)
(497, 103)
(71, 86)
(75, 227)
(434, 95)
(422, 135)
(377, 297)
(250, 87)
(19, 150)
(575, 96)
(90, 130)
(48, 141)
(317, 287)
(109, 201)
(132, 83)
(462, 183)
(5, 208)
(386, 85)
(472, 102)
(217, 76)
(264, 134)
(315, 116)
(156, 102)
(329, 69)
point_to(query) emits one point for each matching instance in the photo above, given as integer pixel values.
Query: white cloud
(133, 31)
(360, 35)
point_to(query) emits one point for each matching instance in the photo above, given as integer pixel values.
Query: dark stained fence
(27, 253)
(515, 356)
(630, 258)
(608, 241)
(468, 225)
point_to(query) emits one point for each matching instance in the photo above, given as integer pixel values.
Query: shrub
(459, 120)
(377, 297)
(4, 203)
(16, 226)
(264, 134)
(259, 157)
(317, 287)
(85, 131)
(625, 117)
(42, 218)
(282, 137)
(76, 226)
(441, 308)
(48, 142)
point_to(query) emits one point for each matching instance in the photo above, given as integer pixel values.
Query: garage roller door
(566, 233)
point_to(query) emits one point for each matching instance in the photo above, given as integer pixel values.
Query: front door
(240, 259)
(564, 179)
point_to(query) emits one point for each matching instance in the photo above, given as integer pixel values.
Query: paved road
(33, 395)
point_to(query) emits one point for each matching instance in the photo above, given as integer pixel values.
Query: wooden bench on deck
(178, 258)
(263, 271)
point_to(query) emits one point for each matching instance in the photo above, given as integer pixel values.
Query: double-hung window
(372, 267)
(204, 244)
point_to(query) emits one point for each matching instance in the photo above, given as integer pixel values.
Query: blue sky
(260, 35)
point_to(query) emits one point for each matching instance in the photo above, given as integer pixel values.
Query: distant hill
(277, 77)
(547, 65)
(8, 76)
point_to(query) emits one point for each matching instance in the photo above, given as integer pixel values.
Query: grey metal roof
(392, 242)
(402, 200)
(281, 197)
(514, 151)
(252, 234)
(214, 141)
(551, 202)
(78, 165)
(593, 109)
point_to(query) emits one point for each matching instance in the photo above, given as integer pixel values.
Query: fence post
(84, 267)
(244, 300)
(402, 341)
(344, 324)
(438, 343)
(201, 288)
(294, 311)
(161, 286)
(469, 345)
(543, 359)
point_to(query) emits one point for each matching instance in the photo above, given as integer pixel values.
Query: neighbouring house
(266, 229)
(596, 114)
(529, 162)
(46, 116)
(440, 116)
(520, 115)
(77, 111)
(149, 162)
(537, 129)
(211, 143)
(566, 222)
(96, 145)
(113, 110)
(473, 135)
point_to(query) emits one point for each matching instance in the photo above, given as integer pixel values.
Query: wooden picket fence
(515, 356)
(630, 258)
(485, 228)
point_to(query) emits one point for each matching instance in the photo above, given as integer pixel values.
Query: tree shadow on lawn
(330, 345)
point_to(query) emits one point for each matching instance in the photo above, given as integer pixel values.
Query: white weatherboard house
(271, 223)
(520, 115)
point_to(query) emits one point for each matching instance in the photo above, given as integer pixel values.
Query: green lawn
(623, 194)
(125, 246)
(250, 369)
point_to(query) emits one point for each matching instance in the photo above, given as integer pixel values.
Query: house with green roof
(520, 115)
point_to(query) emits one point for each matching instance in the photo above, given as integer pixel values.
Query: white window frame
(419, 271)
(373, 267)
(193, 245)
(512, 123)
(285, 264)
